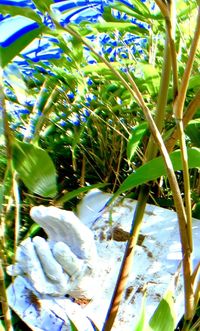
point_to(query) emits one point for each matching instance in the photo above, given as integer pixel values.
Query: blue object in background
(15, 34)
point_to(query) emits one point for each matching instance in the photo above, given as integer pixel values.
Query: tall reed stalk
(155, 125)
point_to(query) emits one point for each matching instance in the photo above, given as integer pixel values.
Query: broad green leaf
(43, 6)
(156, 168)
(134, 139)
(142, 324)
(137, 9)
(150, 77)
(140, 7)
(72, 326)
(32, 232)
(101, 68)
(194, 82)
(164, 318)
(35, 168)
(193, 132)
(107, 27)
(77, 53)
(70, 195)
(13, 41)
(17, 10)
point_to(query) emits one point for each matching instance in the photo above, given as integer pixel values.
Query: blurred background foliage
(61, 97)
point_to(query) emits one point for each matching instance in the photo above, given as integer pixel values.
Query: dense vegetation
(100, 100)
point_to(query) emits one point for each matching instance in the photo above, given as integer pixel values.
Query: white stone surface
(156, 261)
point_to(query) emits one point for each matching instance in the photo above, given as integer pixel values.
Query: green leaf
(194, 82)
(70, 195)
(134, 139)
(156, 168)
(101, 69)
(139, 10)
(35, 168)
(142, 323)
(43, 6)
(32, 232)
(107, 27)
(150, 77)
(193, 132)
(12, 43)
(164, 318)
(72, 326)
(17, 10)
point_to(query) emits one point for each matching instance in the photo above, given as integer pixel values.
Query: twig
(151, 152)
(187, 116)
(4, 301)
(3, 295)
(180, 100)
(17, 212)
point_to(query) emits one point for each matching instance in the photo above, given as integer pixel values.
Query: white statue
(81, 259)
(66, 263)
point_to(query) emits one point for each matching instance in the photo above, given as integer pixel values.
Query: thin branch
(188, 115)
(186, 180)
(4, 301)
(16, 196)
(171, 24)
(180, 100)
(187, 267)
(127, 259)
(163, 8)
(169, 14)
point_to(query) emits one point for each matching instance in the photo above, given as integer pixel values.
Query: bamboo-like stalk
(184, 238)
(187, 116)
(4, 301)
(17, 212)
(170, 17)
(151, 152)
(186, 180)
(127, 259)
(45, 112)
(132, 89)
(3, 295)
(178, 113)
(180, 100)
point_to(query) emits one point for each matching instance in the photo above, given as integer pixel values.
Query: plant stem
(133, 90)
(127, 259)
(8, 139)
(178, 113)
(186, 180)
(171, 24)
(185, 243)
(16, 196)
(180, 100)
(4, 301)
(168, 12)
(187, 116)
(151, 152)
(45, 113)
